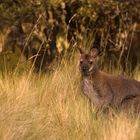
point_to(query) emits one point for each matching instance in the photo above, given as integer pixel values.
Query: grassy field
(52, 107)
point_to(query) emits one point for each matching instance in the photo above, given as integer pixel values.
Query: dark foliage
(35, 25)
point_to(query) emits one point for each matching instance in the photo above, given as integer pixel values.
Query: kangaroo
(104, 89)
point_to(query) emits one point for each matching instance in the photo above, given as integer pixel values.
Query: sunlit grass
(52, 106)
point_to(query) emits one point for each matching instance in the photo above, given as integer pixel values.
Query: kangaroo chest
(90, 91)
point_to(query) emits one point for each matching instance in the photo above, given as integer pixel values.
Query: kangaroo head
(88, 64)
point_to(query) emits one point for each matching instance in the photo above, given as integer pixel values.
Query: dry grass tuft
(52, 107)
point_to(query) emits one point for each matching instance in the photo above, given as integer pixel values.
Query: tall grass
(52, 107)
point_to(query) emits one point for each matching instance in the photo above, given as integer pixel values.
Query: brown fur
(104, 89)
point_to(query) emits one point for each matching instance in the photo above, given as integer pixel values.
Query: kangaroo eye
(91, 62)
(81, 61)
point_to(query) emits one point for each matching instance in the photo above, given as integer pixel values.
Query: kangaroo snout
(84, 68)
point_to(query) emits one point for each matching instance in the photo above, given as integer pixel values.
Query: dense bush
(47, 28)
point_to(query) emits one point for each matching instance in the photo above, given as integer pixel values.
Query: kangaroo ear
(80, 50)
(94, 52)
